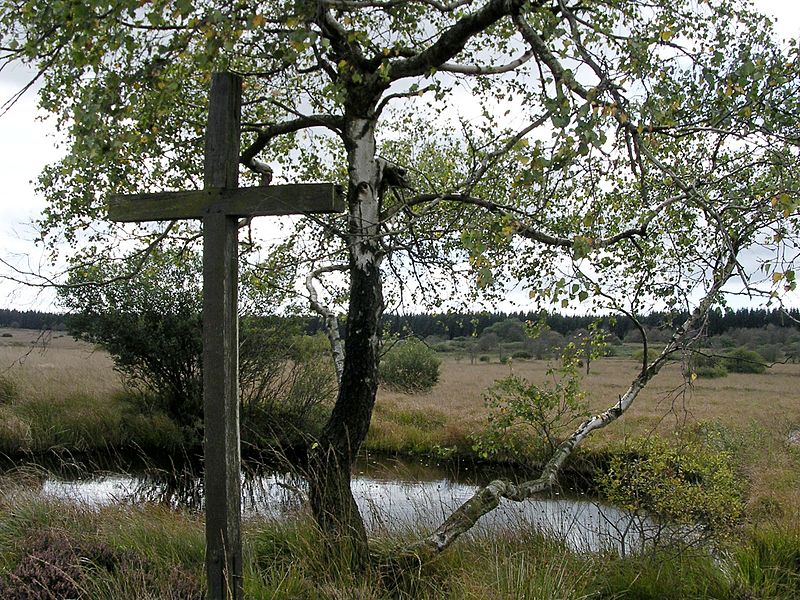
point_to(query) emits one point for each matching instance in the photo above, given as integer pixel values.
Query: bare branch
(329, 318)
(23, 277)
(492, 70)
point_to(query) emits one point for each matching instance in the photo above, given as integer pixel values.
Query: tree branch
(453, 40)
(488, 497)
(266, 135)
(330, 319)
(491, 70)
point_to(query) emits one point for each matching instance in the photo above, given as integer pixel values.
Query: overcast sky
(27, 144)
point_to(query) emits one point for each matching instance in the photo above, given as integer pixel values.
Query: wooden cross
(220, 205)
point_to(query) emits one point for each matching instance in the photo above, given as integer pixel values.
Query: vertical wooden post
(221, 348)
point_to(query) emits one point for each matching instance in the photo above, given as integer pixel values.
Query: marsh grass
(66, 392)
(669, 401)
(124, 552)
(64, 396)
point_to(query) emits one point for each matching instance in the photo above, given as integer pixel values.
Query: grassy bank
(148, 552)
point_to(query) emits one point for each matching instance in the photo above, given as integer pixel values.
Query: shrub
(484, 358)
(522, 355)
(686, 483)
(743, 360)
(707, 366)
(519, 409)
(410, 367)
(711, 372)
(151, 325)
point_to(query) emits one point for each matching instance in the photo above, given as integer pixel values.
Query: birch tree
(614, 154)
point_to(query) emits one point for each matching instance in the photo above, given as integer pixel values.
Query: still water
(392, 495)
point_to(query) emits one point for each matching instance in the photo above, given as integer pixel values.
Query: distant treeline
(453, 325)
(31, 319)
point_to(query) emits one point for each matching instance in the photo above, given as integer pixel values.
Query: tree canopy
(620, 154)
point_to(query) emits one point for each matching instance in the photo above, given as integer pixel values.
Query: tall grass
(123, 552)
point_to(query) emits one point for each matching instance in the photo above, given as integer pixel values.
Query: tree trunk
(332, 501)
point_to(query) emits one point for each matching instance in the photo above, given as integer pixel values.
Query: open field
(59, 368)
(55, 366)
(771, 399)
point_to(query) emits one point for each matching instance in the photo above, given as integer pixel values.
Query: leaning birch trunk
(488, 497)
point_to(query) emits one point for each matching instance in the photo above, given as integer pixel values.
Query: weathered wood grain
(222, 466)
(256, 201)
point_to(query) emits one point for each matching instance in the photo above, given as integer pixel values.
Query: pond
(392, 495)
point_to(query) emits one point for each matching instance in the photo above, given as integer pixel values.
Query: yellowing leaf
(257, 20)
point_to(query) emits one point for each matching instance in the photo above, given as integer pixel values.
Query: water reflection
(392, 495)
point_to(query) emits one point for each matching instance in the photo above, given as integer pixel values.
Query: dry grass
(55, 367)
(60, 367)
(771, 400)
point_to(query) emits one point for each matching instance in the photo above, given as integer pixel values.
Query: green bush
(707, 366)
(525, 417)
(151, 325)
(711, 372)
(484, 358)
(686, 483)
(410, 367)
(743, 360)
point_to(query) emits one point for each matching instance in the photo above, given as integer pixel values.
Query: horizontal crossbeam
(291, 199)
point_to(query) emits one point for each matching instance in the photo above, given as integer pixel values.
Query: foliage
(150, 324)
(410, 366)
(743, 360)
(679, 482)
(516, 406)
(707, 365)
